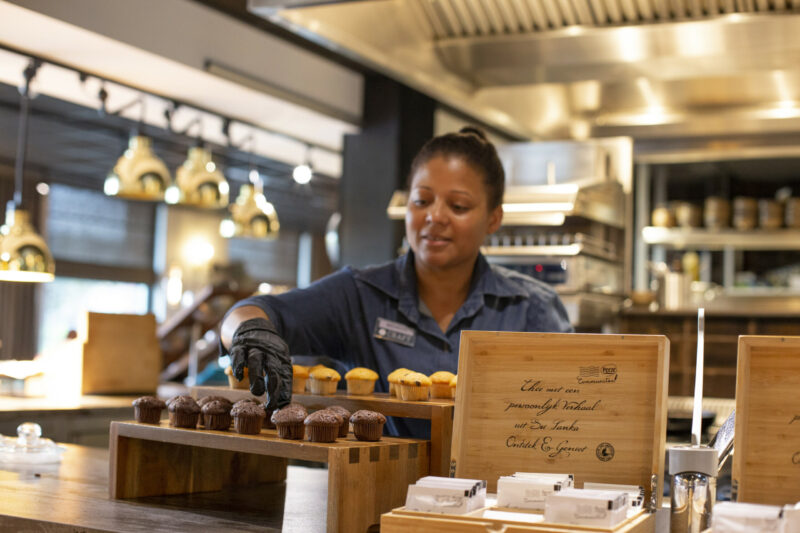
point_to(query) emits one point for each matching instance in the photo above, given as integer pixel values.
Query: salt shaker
(693, 487)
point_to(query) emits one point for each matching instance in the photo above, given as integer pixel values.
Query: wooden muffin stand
(364, 478)
(590, 405)
(438, 411)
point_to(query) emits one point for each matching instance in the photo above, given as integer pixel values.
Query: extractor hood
(546, 182)
(580, 68)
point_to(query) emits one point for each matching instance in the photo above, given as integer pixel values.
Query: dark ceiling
(75, 145)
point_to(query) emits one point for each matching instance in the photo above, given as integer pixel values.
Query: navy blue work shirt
(336, 316)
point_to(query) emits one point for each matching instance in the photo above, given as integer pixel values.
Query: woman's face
(448, 215)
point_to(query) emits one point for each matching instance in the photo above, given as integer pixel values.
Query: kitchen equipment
(745, 212)
(663, 217)
(688, 215)
(673, 290)
(792, 213)
(717, 212)
(693, 487)
(29, 447)
(770, 214)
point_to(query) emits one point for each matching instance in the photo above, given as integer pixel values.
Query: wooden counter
(73, 496)
(83, 421)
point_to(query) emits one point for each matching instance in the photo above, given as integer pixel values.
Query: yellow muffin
(361, 381)
(414, 386)
(440, 384)
(235, 383)
(394, 380)
(299, 378)
(324, 381)
(310, 370)
(454, 385)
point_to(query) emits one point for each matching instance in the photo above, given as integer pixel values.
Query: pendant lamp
(139, 173)
(24, 255)
(251, 215)
(200, 182)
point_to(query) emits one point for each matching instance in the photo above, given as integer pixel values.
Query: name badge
(394, 332)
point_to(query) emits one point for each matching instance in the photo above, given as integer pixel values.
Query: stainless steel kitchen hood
(581, 68)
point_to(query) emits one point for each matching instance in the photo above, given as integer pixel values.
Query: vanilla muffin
(440, 384)
(454, 385)
(394, 380)
(361, 381)
(235, 383)
(414, 387)
(299, 377)
(310, 370)
(324, 381)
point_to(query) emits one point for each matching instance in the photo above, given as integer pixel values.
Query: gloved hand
(257, 345)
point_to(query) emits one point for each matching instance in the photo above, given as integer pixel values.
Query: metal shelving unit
(721, 240)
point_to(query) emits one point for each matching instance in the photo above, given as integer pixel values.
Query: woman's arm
(234, 320)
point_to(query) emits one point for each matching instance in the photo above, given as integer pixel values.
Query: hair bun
(472, 130)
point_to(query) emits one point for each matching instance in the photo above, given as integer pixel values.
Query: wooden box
(766, 459)
(590, 405)
(121, 354)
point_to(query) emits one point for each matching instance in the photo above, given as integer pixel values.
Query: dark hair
(471, 144)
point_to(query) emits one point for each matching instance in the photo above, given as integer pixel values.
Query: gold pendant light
(139, 173)
(200, 182)
(24, 255)
(251, 215)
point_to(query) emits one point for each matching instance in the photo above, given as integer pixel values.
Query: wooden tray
(402, 521)
(438, 411)
(766, 461)
(590, 405)
(365, 479)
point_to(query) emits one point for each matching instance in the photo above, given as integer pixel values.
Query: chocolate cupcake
(217, 415)
(174, 398)
(206, 399)
(323, 426)
(183, 412)
(368, 425)
(344, 428)
(247, 418)
(289, 422)
(147, 409)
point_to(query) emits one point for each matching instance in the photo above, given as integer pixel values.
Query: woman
(410, 312)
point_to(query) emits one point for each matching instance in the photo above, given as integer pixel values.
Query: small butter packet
(527, 490)
(730, 517)
(585, 507)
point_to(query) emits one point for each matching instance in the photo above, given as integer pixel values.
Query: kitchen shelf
(731, 239)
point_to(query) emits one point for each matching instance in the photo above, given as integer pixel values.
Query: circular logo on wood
(605, 451)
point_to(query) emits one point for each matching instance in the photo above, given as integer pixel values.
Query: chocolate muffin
(183, 412)
(147, 409)
(323, 426)
(368, 425)
(247, 400)
(247, 418)
(344, 428)
(289, 422)
(217, 415)
(178, 398)
(206, 399)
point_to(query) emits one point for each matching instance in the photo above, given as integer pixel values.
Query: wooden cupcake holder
(522, 397)
(365, 479)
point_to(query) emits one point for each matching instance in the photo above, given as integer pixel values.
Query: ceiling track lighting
(303, 173)
(24, 255)
(252, 215)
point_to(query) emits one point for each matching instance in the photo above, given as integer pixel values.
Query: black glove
(257, 345)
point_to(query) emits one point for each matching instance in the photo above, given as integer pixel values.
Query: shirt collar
(398, 280)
